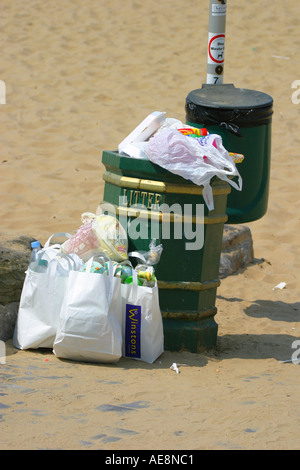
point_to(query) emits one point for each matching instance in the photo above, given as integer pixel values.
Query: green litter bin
(243, 119)
(137, 192)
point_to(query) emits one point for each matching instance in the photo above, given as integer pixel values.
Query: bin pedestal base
(193, 336)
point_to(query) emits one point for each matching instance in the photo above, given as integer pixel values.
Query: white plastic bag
(193, 161)
(90, 326)
(41, 299)
(151, 257)
(135, 144)
(143, 337)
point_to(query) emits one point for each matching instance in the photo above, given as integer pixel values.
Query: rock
(8, 317)
(14, 257)
(237, 249)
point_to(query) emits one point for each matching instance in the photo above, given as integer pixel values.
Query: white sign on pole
(216, 42)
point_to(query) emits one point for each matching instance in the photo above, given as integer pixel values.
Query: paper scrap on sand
(280, 57)
(281, 285)
(174, 367)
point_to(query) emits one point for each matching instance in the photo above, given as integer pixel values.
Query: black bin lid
(221, 104)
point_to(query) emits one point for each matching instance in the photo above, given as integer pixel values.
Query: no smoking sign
(216, 48)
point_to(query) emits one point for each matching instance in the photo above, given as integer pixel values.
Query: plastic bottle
(35, 247)
(41, 266)
(35, 262)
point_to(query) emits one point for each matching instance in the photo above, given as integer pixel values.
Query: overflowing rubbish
(193, 131)
(87, 297)
(90, 326)
(143, 336)
(189, 152)
(86, 300)
(145, 274)
(151, 257)
(98, 233)
(192, 159)
(42, 295)
(133, 144)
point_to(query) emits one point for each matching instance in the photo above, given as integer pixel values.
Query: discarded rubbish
(151, 257)
(134, 142)
(90, 326)
(86, 300)
(145, 274)
(280, 57)
(98, 233)
(190, 159)
(189, 152)
(143, 335)
(237, 157)
(174, 367)
(91, 275)
(42, 296)
(281, 285)
(194, 131)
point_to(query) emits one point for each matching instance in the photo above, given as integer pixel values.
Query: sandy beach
(80, 76)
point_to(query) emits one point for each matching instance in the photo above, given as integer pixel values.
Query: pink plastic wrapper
(83, 243)
(101, 233)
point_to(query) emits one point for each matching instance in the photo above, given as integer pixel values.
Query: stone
(8, 317)
(237, 249)
(14, 257)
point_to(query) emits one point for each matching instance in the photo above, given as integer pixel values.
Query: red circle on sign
(209, 45)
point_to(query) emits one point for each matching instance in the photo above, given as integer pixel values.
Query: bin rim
(209, 94)
(203, 108)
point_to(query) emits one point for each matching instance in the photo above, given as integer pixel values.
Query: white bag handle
(111, 270)
(89, 265)
(126, 262)
(53, 268)
(134, 281)
(58, 234)
(70, 260)
(136, 254)
(100, 256)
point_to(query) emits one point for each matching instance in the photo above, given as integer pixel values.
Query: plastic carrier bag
(151, 257)
(90, 327)
(163, 141)
(41, 298)
(143, 336)
(197, 160)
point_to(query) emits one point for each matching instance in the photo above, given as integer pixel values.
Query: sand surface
(79, 77)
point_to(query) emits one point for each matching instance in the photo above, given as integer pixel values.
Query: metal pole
(216, 42)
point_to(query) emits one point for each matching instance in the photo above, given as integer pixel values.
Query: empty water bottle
(35, 248)
(41, 266)
(36, 263)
